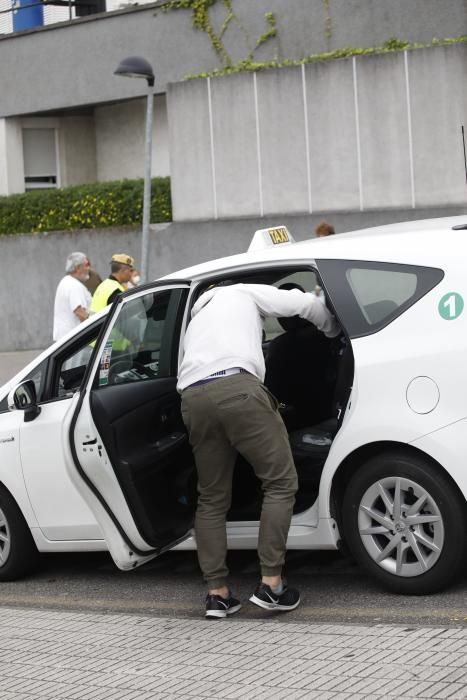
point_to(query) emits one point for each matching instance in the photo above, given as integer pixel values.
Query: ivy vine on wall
(327, 22)
(201, 20)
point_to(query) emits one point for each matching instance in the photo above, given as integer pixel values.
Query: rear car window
(369, 295)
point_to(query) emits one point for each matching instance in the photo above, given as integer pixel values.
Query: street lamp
(137, 67)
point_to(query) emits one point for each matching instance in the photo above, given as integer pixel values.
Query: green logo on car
(451, 306)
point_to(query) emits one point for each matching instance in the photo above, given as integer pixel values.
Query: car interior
(311, 376)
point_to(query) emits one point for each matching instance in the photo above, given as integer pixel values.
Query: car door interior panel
(143, 433)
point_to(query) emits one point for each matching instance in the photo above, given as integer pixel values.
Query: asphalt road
(333, 590)
(12, 362)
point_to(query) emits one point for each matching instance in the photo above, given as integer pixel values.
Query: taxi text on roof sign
(269, 237)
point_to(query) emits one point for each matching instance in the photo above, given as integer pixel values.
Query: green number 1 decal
(451, 306)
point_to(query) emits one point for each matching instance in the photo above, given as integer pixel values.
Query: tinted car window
(369, 295)
(380, 292)
(143, 339)
(69, 364)
(72, 368)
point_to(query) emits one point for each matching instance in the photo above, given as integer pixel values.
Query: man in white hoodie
(228, 410)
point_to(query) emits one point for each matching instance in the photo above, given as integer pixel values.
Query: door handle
(171, 441)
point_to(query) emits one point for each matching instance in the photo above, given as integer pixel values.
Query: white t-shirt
(70, 294)
(227, 323)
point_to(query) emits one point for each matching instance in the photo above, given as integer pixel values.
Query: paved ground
(334, 590)
(53, 654)
(12, 362)
(83, 656)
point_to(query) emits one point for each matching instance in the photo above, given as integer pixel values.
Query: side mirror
(23, 398)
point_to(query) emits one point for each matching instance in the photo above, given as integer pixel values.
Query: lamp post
(137, 67)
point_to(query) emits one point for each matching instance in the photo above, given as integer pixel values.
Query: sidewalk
(12, 362)
(82, 656)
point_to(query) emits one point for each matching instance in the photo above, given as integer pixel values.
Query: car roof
(430, 242)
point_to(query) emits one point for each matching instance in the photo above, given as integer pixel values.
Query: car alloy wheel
(18, 553)
(5, 538)
(401, 526)
(405, 521)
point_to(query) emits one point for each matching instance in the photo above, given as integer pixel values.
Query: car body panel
(408, 243)
(11, 475)
(418, 344)
(61, 512)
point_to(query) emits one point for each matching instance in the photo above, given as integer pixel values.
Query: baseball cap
(123, 258)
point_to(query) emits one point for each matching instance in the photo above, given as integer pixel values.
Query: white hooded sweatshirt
(227, 324)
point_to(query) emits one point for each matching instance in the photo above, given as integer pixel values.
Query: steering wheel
(125, 366)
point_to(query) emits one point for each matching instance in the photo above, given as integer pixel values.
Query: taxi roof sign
(270, 237)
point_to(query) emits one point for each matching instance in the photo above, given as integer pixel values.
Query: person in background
(121, 270)
(227, 410)
(324, 229)
(134, 280)
(93, 281)
(72, 299)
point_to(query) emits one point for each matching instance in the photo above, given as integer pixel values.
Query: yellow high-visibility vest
(101, 295)
(100, 301)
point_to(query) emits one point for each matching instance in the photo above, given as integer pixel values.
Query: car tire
(405, 522)
(18, 552)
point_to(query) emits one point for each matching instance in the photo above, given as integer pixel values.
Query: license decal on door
(105, 364)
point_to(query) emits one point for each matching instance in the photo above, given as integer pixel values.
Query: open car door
(129, 453)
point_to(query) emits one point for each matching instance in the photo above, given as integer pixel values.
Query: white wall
(3, 163)
(359, 134)
(78, 161)
(120, 130)
(11, 157)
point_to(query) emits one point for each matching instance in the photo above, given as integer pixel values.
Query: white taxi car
(94, 454)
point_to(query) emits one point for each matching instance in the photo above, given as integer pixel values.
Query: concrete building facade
(366, 133)
(66, 119)
(365, 140)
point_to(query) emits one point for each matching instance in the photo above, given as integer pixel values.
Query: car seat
(300, 371)
(310, 445)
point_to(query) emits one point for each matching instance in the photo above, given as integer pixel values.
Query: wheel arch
(21, 499)
(355, 459)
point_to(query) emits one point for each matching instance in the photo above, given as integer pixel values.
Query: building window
(40, 158)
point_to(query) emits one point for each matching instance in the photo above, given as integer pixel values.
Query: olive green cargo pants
(225, 416)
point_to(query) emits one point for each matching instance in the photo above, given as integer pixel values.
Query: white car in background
(94, 454)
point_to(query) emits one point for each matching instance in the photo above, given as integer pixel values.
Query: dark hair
(324, 229)
(116, 266)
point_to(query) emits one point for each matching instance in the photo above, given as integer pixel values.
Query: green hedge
(98, 205)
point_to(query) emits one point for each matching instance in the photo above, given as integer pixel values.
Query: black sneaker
(263, 596)
(216, 606)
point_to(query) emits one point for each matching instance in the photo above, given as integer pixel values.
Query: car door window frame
(50, 391)
(170, 337)
(93, 371)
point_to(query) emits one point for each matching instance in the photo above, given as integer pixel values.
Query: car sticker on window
(105, 364)
(451, 306)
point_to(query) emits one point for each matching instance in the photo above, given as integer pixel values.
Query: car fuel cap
(422, 395)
